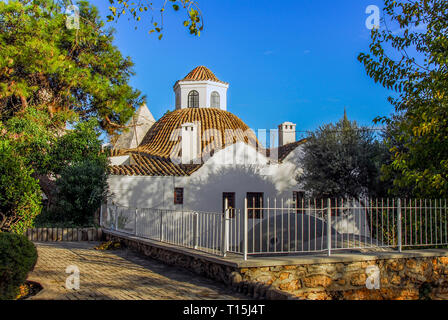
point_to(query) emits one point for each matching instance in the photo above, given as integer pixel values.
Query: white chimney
(286, 133)
(189, 142)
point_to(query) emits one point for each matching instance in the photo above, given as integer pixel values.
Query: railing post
(135, 221)
(101, 214)
(225, 229)
(399, 224)
(245, 229)
(161, 225)
(116, 218)
(195, 230)
(329, 226)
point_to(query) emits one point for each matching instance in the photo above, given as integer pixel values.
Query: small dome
(157, 140)
(201, 73)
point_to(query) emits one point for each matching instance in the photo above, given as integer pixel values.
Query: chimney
(189, 142)
(286, 133)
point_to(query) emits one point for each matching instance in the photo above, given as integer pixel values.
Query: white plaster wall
(144, 191)
(203, 189)
(120, 160)
(222, 90)
(204, 88)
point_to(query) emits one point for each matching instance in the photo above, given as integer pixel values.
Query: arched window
(193, 99)
(215, 100)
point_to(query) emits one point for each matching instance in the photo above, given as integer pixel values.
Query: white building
(199, 154)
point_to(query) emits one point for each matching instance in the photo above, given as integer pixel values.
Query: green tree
(80, 144)
(342, 160)
(20, 199)
(413, 61)
(74, 71)
(33, 135)
(51, 75)
(48, 150)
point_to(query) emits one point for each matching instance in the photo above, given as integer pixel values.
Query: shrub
(18, 256)
(20, 199)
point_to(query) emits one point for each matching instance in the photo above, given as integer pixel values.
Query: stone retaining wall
(402, 279)
(399, 278)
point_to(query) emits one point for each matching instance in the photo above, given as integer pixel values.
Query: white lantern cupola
(201, 89)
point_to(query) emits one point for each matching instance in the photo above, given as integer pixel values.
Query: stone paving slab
(119, 274)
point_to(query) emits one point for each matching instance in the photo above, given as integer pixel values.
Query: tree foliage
(194, 21)
(48, 150)
(20, 199)
(33, 135)
(78, 145)
(81, 188)
(51, 75)
(342, 160)
(82, 175)
(76, 71)
(413, 61)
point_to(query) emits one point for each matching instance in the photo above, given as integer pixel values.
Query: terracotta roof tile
(146, 165)
(152, 157)
(115, 152)
(201, 73)
(162, 140)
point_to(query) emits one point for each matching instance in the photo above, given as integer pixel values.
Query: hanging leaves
(194, 22)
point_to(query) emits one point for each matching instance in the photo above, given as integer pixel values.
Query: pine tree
(78, 72)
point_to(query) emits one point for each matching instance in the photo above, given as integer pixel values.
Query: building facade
(198, 155)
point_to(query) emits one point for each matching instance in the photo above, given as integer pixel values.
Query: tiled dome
(157, 141)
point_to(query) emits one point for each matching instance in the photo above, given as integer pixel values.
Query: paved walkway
(118, 274)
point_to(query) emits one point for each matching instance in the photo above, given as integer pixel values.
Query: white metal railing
(336, 224)
(192, 229)
(283, 226)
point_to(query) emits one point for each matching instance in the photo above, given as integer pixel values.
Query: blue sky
(285, 60)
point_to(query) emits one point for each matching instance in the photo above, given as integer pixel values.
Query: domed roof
(201, 73)
(162, 140)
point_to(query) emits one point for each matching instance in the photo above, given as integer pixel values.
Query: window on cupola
(193, 99)
(215, 99)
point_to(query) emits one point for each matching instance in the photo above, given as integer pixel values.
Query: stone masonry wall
(402, 279)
